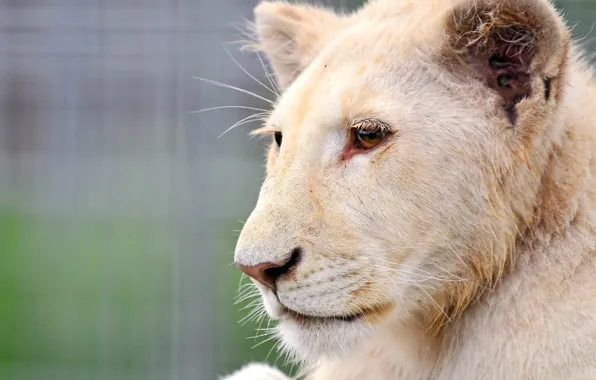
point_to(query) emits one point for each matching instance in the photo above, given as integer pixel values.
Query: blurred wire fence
(118, 205)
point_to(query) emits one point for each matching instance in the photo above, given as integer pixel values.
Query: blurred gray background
(119, 208)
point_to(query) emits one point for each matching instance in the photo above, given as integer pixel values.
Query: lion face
(398, 174)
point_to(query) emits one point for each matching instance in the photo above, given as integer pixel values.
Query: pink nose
(268, 273)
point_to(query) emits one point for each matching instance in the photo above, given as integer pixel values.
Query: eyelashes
(368, 134)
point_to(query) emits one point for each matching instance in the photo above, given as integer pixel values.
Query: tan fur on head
(462, 244)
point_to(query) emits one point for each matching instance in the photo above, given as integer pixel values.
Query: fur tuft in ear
(291, 36)
(515, 46)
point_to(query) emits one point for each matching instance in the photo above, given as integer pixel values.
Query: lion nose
(268, 273)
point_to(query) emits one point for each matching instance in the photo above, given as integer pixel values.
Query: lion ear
(291, 36)
(519, 48)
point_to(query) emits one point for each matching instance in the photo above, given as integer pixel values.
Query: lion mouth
(364, 313)
(299, 317)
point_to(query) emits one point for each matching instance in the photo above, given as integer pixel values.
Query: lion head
(405, 159)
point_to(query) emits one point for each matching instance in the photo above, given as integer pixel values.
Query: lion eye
(278, 138)
(366, 139)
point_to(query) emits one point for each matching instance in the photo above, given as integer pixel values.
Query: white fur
(257, 371)
(468, 240)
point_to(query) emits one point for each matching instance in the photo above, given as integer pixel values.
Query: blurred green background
(119, 209)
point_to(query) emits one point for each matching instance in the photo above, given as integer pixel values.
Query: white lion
(429, 210)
